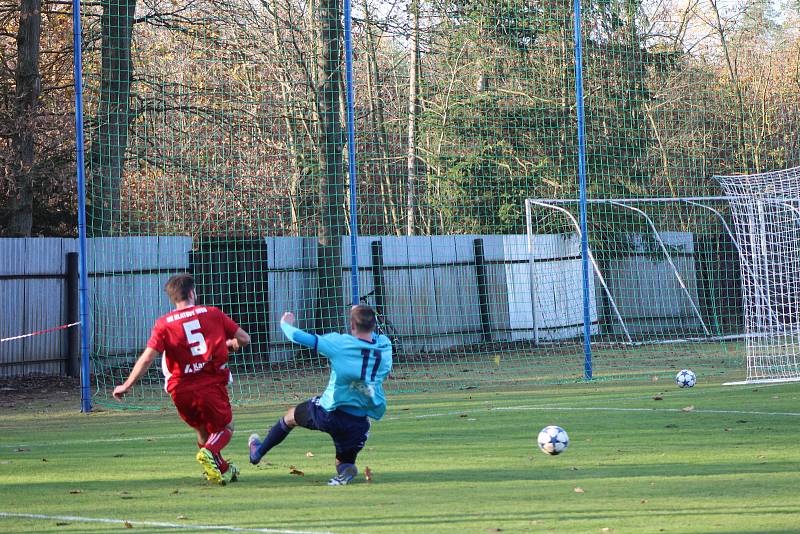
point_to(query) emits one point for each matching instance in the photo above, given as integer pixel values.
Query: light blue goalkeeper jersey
(358, 369)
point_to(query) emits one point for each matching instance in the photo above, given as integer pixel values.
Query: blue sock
(276, 434)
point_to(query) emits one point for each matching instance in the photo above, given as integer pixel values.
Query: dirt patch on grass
(37, 393)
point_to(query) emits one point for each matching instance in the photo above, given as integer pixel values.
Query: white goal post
(766, 215)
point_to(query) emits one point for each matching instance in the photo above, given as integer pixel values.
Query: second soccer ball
(685, 378)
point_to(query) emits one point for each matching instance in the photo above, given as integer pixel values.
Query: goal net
(766, 215)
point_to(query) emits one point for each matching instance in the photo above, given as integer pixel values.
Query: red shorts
(206, 407)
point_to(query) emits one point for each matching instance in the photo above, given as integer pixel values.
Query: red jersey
(193, 341)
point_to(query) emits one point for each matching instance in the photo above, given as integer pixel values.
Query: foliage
(223, 123)
(53, 171)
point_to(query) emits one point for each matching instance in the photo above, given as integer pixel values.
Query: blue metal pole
(351, 148)
(586, 272)
(83, 288)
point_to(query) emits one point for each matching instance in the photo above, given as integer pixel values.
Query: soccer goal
(664, 278)
(766, 215)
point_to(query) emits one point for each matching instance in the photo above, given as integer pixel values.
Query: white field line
(593, 409)
(79, 519)
(475, 410)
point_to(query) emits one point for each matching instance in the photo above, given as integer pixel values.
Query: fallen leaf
(182, 517)
(75, 491)
(128, 524)
(309, 454)
(658, 397)
(579, 490)
(294, 471)
(689, 408)
(606, 529)
(368, 474)
(760, 456)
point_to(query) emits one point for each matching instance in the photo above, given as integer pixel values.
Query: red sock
(221, 463)
(218, 440)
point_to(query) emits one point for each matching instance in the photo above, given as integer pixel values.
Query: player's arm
(139, 369)
(239, 340)
(295, 334)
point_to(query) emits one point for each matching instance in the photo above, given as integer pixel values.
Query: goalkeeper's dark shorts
(349, 432)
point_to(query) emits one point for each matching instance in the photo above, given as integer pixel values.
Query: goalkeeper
(359, 361)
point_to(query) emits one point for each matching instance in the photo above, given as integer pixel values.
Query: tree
(110, 139)
(331, 181)
(37, 145)
(28, 85)
(412, 165)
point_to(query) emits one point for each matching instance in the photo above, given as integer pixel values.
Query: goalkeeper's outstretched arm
(295, 334)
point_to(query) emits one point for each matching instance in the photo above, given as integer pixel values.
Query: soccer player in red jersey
(195, 341)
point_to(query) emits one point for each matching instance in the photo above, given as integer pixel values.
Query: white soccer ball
(685, 378)
(553, 440)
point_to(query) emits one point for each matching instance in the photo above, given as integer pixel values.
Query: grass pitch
(643, 457)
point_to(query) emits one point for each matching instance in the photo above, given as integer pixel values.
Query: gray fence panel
(398, 301)
(12, 300)
(522, 321)
(127, 280)
(648, 294)
(456, 290)
(292, 282)
(33, 302)
(45, 305)
(430, 291)
(497, 287)
(365, 279)
(557, 270)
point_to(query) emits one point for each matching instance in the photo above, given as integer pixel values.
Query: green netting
(217, 145)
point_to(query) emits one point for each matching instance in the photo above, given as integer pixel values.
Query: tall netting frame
(766, 213)
(216, 145)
